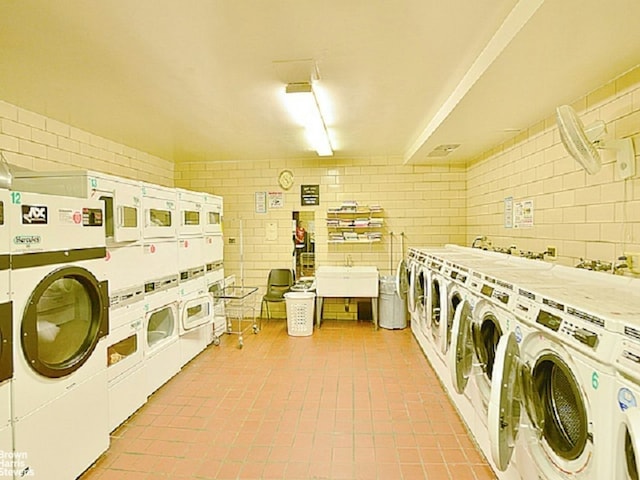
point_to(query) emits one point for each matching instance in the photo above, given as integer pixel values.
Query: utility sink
(339, 281)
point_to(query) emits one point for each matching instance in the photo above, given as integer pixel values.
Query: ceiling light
(303, 104)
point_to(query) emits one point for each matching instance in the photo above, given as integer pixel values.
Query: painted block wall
(426, 203)
(34, 142)
(595, 217)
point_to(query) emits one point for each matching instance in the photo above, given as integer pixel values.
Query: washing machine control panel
(585, 336)
(490, 291)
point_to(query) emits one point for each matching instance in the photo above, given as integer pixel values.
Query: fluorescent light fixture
(303, 104)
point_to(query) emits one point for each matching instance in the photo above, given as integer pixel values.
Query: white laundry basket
(300, 313)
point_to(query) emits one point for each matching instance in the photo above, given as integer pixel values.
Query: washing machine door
(486, 334)
(436, 304)
(455, 298)
(461, 352)
(556, 407)
(632, 442)
(161, 326)
(67, 313)
(414, 287)
(6, 341)
(504, 405)
(402, 279)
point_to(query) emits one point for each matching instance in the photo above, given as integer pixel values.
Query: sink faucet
(620, 265)
(348, 261)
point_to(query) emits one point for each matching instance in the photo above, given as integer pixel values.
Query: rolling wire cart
(240, 303)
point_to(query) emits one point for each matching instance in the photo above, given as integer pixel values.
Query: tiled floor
(345, 403)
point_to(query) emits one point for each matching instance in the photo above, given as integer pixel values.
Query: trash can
(392, 308)
(300, 313)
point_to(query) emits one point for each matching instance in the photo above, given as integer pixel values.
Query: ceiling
(203, 79)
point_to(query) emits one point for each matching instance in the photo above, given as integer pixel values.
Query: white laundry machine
(121, 198)
(551, 403)
(626, 403)
(215, 282)
(416, 294)
(6, 327)
(159, 211)
(196, 317)
(126, 369)
(60, 320)
(191, 241)
(161, 331)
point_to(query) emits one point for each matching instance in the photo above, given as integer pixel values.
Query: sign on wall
(261, 202)
(309, 195)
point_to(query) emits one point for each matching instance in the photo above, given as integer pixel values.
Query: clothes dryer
(161, 331)
(126, 369)
(121, 197)
(191, 241)
(215, 283)
(60, 320)
(160, 212)
(196, 317)
(551, 388)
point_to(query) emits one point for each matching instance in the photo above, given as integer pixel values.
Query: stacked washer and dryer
(162, 294)
(213, 253)
(196, 305)
(89, 352)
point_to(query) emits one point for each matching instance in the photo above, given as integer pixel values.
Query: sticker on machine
(65, 216)
(34, 214)
(626, 399)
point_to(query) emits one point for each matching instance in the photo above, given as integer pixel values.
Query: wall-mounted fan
(582, 143)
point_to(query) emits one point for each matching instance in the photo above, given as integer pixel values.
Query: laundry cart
(240, 309)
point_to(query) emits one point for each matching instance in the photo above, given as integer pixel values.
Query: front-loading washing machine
(60, 320)
(625, 401)
(416, 294)
(550, 406)
(161, 331)
(6, 327)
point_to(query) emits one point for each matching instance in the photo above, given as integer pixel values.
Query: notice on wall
(261, 202)
(276, 199)
(523, 214)
(272, 231)
(508, 212)
(309, 195)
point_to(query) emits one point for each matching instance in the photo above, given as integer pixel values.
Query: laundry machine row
(152, 236)
(564, 380)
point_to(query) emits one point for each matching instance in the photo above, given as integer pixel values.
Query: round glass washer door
(67, 313)
(461, 351)
(551, 395)
(631, 443)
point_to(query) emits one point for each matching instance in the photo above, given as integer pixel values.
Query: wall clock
(285, 179)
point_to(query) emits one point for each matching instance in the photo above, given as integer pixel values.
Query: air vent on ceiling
(443, 150)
